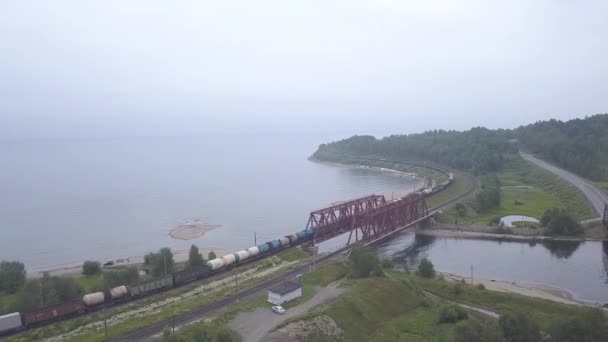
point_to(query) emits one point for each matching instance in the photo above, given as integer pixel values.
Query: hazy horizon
(328, 69)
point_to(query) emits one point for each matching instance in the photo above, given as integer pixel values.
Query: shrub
(457, 290)
(363, 262)
(211, 255)
(194, 257)
(478, 331)
(589, 327)
(387, 264)
(115, 278)
(481, 286)
(12, 276)
(90, 268)
(426, 268)
(560, 222)
(519, 328)
(461, 209)
(160, 263)
(451, 314)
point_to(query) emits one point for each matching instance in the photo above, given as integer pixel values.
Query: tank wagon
(92, 301)
(260, 250)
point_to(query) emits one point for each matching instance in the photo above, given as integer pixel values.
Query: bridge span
(368, 218)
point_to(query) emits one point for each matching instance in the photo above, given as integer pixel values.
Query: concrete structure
(284, 292)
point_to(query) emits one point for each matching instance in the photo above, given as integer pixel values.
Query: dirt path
(255, 325)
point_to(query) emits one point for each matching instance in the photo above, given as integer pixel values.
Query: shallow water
(66, 201)
(579, 267)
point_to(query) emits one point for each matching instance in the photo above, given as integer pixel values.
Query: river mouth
(581, 268)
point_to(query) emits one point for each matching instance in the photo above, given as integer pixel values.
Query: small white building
(284, 292)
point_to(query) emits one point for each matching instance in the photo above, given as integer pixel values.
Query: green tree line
(579, 145)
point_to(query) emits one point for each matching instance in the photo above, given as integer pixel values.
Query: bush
(160, 263)
(481, 286)
(364, 262)
(519, 328)
(451, 314)
(457, 290)
(387, 264)
(560, 222)
(194, 257)
(90, 268)
(478, 331)
(12, 276)
(115, 278)
(461, 209)
(211, 255)
(47, 291)
(589, 327)
(426, 268)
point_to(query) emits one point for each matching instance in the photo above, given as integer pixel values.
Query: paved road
(594, 195)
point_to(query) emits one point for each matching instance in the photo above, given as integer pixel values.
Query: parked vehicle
(278, 309)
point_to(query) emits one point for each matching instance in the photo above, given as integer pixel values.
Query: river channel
(578, 267)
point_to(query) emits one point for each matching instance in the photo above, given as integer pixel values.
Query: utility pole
(41, 296)
(165, 261)
(237, 286)
(472, 283)
(255, 239)
(105, 323)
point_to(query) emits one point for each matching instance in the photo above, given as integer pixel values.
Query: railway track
(193, 316)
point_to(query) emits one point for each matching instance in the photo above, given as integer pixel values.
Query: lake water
(62, 202)
(579, 267)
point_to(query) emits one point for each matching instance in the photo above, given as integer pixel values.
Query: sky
(333, 67)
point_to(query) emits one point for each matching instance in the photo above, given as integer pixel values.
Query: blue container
(276, 244)
(264, 248)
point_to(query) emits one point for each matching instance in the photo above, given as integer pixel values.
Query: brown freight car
(51, 313)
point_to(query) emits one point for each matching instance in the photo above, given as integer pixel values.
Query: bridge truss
(367, 218)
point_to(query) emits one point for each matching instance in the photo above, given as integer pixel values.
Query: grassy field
(544, 312)
(526, 190)
(395, 308)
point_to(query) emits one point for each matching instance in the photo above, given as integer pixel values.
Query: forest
(579, 145)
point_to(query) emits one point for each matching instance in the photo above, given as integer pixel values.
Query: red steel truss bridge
(367, 218)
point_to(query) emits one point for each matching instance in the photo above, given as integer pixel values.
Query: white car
(278, 309)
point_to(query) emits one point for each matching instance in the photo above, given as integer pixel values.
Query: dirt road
(255, 325)
(594, 195)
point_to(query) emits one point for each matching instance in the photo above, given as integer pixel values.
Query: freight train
(93, 301)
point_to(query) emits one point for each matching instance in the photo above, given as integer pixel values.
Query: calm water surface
(65, 201)
(579, 267)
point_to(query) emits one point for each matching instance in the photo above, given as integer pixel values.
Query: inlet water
(579, 267)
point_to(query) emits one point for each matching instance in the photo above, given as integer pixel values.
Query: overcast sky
(96, 68)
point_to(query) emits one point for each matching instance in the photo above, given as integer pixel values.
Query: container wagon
(151, 286)
(51, 313)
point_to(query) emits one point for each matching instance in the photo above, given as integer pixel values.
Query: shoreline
(365, 167)
(475, 235)
(72, 270)
(421, 184)
(534, 290)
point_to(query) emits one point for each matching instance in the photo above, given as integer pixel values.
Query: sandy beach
(526, 289)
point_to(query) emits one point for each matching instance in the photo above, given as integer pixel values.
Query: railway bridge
(368, 218)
